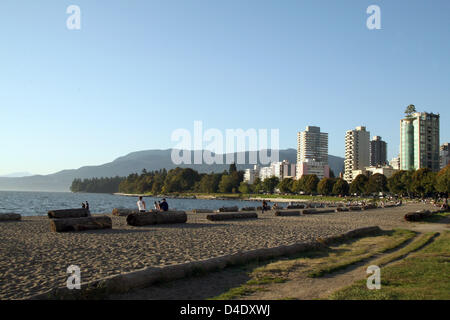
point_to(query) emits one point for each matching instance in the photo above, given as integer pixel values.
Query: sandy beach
(33, 259)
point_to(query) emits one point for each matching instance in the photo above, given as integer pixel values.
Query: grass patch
(365, 249)
(415, 245)
(317, 262)
(423, 275)
(436, 217)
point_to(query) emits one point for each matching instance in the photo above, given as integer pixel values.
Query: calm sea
(38, 203)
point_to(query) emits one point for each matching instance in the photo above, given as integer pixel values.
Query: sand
(33, 259)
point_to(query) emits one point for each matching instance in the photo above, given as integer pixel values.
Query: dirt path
(304, 288)
(297, 287)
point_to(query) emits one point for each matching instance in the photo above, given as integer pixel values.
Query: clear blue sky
(137, 70)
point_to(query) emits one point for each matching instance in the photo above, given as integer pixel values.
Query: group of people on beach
(159, 206)
(85, 205)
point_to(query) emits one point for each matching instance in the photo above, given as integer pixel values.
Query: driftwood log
(315, 211)
(122, 212)
(355, 208)
(149, 218)
(419, 215)
(287, 213)
(248, 209)
(228, 209)
(10, 217)
(68, 213)
(232, 216)
(295, 206)
(370, 207)
(81, 224)
(341, 209)
(202, 211)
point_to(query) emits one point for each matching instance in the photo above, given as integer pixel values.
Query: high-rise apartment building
(419, 141)
(312, 145)
(444, 155)
(312, 153)
(378, 152)
(357, 151)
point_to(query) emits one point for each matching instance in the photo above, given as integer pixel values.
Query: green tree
(341, 187)
(443, 180)
(325, 186)
(310, 183)
(286, 185)
(400, 182)
(257, 185)
(359, 185)
(423, 181)
(410, 110)
(244, 188)
(297, 186)
(269, 184)
(377, 183)
(226, 184)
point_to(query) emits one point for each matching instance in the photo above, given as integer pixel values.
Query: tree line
(421, 182)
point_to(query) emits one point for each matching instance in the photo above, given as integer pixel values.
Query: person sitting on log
(157, 206)
(83, 206)
(164, 206)
(87, 208)
(141, 205)
(265, 207)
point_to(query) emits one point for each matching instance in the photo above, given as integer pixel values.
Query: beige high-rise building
(357, 151)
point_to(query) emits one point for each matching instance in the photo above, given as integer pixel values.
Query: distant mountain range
(133, 163)
(16, 175)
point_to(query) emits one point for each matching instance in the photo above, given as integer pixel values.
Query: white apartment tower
(357, 151)
(312, 145)
(312, 153)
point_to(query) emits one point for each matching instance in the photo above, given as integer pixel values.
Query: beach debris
(10, 217)
(81, 224)
(68, 213)
(232, 216)
(149, 218)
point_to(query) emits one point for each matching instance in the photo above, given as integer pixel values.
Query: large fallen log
(68, 213)
(232, 216)
(202, 211)
(248, 209)
(315, 211)
(81, 224)
(10, 217)
(355, 208)
(369, 206)
(295, 206)
(150, 218)
(121, 212)
(341, 209)
(287, 213)
(228, 209)
(418, 215)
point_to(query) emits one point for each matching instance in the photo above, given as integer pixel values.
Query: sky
(138, 70)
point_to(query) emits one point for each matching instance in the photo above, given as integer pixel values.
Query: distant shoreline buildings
(419, 148)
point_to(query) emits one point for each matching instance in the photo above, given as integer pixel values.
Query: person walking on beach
(141, 205)
(164, 206)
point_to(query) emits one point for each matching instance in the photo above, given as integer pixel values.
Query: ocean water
(38, 203)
